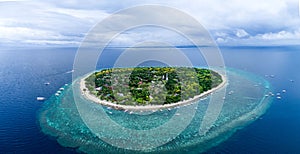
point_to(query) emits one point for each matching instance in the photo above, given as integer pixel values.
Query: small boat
(231, 92)
(40, 98)
(70, 71)
(46, 83)
(284, 91)
(278, 97)
(61, 89)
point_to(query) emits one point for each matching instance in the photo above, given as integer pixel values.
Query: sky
(229, 22)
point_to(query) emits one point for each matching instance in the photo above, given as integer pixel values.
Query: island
(150, 88)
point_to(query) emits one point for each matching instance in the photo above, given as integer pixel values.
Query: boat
(40, 98)
(231, 92)
(278, 97)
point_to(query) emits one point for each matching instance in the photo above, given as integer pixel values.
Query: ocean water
(24, 71)
(80, 124)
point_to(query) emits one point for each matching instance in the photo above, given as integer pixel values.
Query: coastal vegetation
(151, 85)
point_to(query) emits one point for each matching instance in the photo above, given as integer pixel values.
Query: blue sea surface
(23, 73)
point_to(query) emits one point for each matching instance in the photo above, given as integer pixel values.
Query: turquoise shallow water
(245, 102)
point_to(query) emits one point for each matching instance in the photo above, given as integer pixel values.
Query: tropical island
(148, 88)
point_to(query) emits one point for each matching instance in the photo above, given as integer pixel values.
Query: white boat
(46, 83)
(70, 71)
(40, 98)
(231, 92)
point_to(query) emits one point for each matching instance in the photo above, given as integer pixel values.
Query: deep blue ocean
(23, 73)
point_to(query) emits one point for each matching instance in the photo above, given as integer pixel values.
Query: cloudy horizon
(232, 22)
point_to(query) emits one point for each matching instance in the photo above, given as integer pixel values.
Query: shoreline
(93, 98)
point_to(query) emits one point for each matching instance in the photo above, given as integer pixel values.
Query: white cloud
(279, 35)
(12, 0)
(91, 16)
(241, 33)
(35, 22)
(220, 40)
(19, 35)
(230, 22)
(26, 33)
(272, 38)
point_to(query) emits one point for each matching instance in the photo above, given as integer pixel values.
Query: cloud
(12, 1)
(241, 33)
(230, 22)
(36, 23)
(280, 35)
(263, 39)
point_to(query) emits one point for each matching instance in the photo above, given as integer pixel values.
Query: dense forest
(151, 85)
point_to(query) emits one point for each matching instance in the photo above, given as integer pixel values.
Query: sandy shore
(93, 98)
